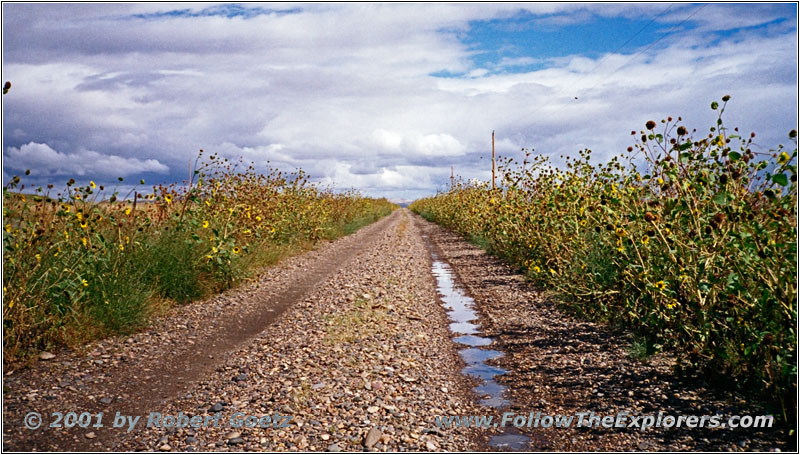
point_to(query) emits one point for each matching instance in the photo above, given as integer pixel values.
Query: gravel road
(347, 348)
(561, 365)
(349, 340)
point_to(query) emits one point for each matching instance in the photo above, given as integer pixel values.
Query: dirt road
(560, 365)
(341, 349)
(344, 339)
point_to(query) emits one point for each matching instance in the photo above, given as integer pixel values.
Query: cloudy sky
(379, 97)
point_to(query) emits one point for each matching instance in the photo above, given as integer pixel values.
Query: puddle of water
(510, 441)
(460, 309)
(476, 355)
(472, 340)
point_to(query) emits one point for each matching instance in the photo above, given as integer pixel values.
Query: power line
(653, 19)
(645, 49)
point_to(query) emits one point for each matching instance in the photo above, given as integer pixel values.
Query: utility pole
(493, 184)
(451, 177)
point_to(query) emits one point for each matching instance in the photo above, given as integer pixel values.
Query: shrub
(689, 239)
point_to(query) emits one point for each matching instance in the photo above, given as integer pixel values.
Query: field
(77, 268)
(689, 239)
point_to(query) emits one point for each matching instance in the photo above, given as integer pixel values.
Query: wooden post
(493, 184)
(451, 177)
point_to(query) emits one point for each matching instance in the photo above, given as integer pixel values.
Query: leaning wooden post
(493, 184)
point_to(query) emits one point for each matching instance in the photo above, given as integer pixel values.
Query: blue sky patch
(528, 42)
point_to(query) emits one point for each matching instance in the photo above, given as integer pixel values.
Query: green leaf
(686, 145)
(721, 198)
(734, 156)
(780, 179)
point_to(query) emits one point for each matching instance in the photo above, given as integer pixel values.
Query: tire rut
(562, 365)
(181, 362)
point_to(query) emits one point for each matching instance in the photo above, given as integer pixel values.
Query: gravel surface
(351, 342)
(561, 365)
(358, 355)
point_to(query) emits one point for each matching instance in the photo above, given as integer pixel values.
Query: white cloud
(45, 161)
(429, 145)
(345, 92)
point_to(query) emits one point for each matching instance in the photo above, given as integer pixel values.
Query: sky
(380, 97)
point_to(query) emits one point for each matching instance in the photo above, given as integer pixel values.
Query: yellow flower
(661, 285)
(85, 283)
(121, 247)
(783, 158)
(660, 181)
(208, 256)
(65, 207)
(38, 257)
(672, 304)
(77, 196)
(583, 222)
(258, 218)
(552, 272)
(91, 183)
(79, 215)
(620, 232)
(168, 198)
(205, 224)
(127, 239)
(208, 203)
(11, 304)
(84, 241)
(84, 224)
(8, 228)
(236, 250)
(127, 210)
(536, 269)
(645, 240)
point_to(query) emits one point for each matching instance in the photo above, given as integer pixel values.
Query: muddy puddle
(475, 350)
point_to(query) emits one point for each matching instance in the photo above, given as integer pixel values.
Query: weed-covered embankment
(77, 268)
(689, 239)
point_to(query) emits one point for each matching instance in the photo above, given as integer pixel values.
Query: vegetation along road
(352, 341)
